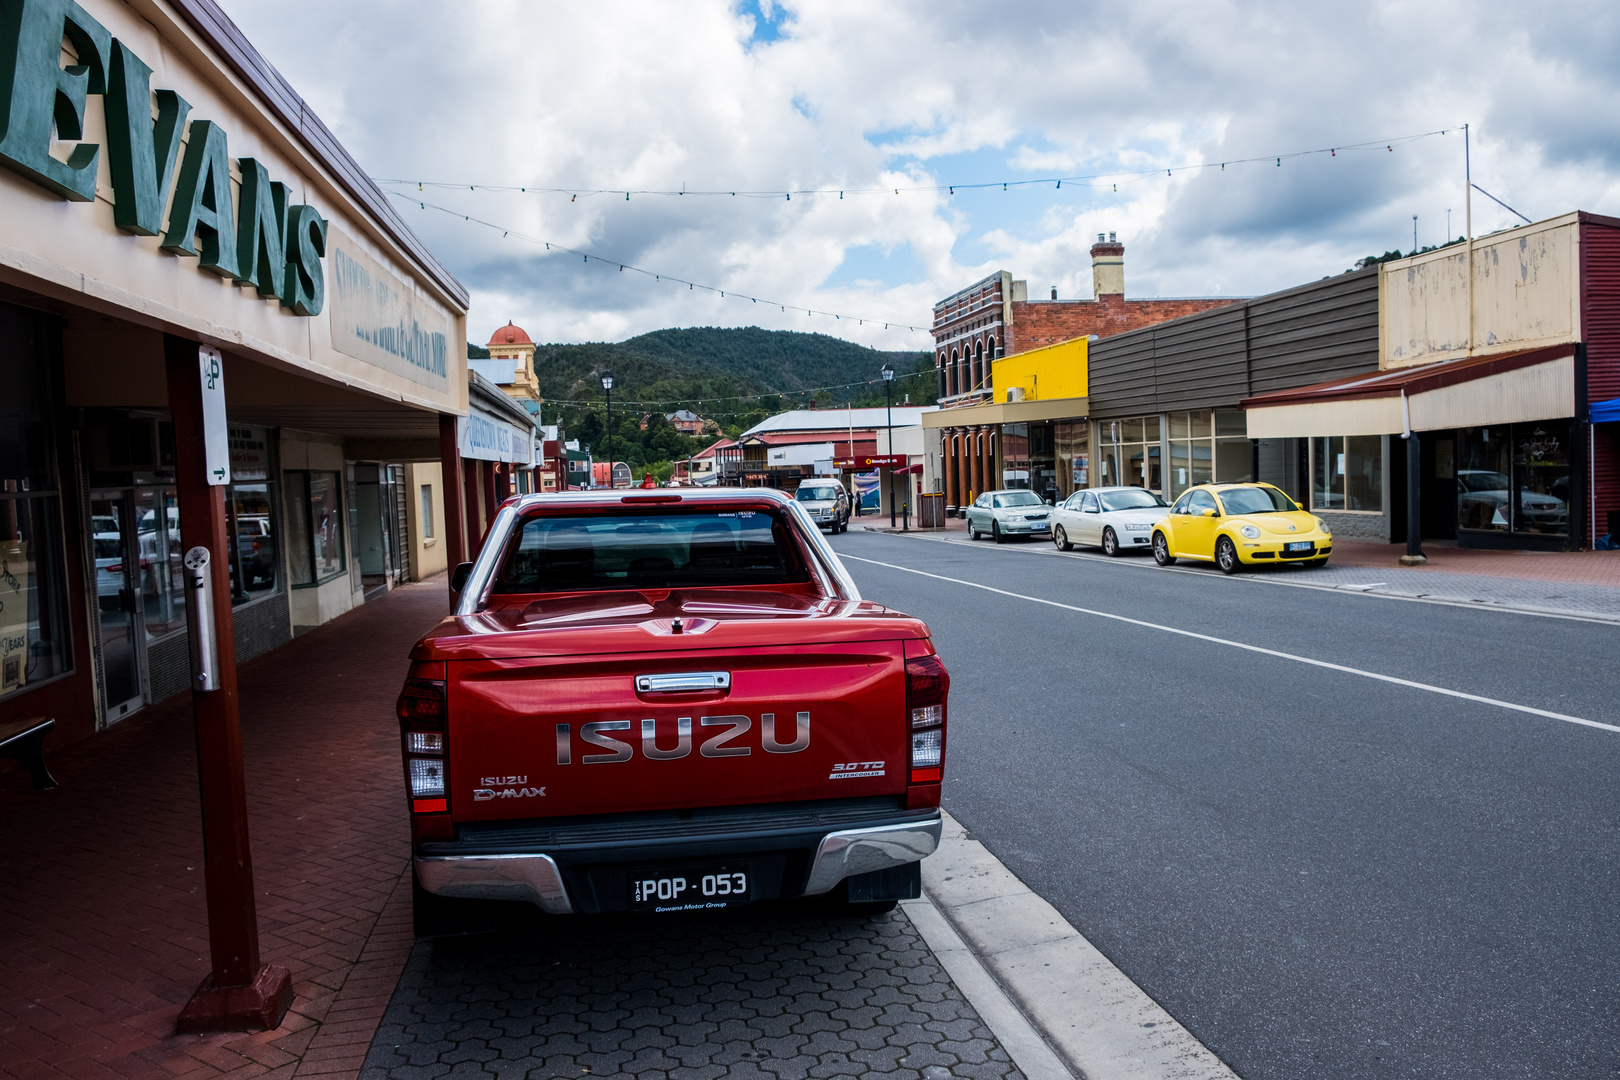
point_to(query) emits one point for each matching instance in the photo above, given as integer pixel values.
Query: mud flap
(903, 882)
(445, 916)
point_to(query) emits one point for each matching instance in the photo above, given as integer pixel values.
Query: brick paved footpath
(103, 927)
(103, 932)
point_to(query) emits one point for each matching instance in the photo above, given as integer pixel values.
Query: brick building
(994, 317)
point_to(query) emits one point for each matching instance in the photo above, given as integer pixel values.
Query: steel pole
(609, 440)
(888, 405)
(1414, 503)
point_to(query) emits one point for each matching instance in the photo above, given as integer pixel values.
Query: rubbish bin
(932, 509)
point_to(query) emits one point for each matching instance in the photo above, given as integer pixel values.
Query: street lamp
(607, 384)
(888, 404)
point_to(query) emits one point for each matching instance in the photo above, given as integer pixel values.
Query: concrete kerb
(1058, 1006)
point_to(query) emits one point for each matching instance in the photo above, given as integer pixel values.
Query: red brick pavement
(103, 931)
(1570, 567)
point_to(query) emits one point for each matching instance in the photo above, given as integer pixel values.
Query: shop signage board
(250, 452)
(263, 241)
(870, 461)
(483, 437)
(216, 433)
(382, 320)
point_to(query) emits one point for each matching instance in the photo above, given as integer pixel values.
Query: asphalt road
(1320, 873)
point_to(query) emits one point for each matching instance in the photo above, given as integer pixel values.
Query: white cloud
(859, 95)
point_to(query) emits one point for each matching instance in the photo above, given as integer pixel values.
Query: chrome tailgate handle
(685, 680)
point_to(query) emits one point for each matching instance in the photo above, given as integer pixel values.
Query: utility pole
(888, 404)
(1414, 234)
(607, 384)
(1468, 225)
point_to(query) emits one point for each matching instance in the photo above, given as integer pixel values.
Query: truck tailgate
(552, 736)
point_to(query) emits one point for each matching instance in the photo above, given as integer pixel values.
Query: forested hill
(709, 363)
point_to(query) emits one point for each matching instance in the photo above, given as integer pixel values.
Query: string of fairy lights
(1092, 181)
(807, 393)
(624, 267)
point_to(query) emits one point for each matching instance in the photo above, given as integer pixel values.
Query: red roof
(826, 435)
(510, 335)
(714, 447)
(1411, 380)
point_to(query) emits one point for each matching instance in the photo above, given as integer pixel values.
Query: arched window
(978, 366)
(994, 353)
(956, 372)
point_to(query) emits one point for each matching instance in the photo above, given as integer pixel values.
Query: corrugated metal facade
(1300, 336)
(1600, 330)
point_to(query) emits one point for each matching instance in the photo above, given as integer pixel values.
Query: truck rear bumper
(536, 877)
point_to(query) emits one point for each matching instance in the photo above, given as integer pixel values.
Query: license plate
(1304, 546)
(689, 888)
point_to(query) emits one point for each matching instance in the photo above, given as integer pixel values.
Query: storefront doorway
(118, 615)
(378, 520)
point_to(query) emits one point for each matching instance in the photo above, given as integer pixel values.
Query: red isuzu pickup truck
(663, 701)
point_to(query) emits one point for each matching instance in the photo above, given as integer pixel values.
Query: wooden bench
(24, 741)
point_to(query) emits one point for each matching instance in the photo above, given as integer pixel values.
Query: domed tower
(511, 343)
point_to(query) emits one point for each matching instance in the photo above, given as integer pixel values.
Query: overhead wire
(1092, 180)
(552, 245)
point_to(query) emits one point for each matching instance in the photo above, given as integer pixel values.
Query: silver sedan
(1113, 518)
(1014, 512)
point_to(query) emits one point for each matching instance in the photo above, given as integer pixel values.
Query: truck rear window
(652, 550)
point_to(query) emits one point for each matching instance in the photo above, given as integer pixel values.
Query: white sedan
(1113, 518)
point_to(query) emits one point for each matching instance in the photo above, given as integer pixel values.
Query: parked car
(1010, 512)
(1115, 519)
(1240, 525)
(664, 702)
(826, 502)
(1484, 498)
(109, 547)
(256, 550)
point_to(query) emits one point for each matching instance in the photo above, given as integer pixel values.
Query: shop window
(427, 511)
(160, 580)
(314, 527)
(1015, 456)
(1073, 462)
(1347, 473)
(1514, 478)
(1128, 453)
(255, 555)
(34, 625)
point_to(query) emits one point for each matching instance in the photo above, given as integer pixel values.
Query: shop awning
(1505, 388)
(1008, 412)
(1606, 411)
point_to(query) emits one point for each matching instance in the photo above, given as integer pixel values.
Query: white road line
(1208, 574)
(1250, 648)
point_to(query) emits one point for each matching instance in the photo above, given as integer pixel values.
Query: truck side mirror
(459, 576)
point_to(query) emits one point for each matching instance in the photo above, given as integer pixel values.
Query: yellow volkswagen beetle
(1240, 525)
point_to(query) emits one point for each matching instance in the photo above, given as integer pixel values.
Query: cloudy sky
(856, 95)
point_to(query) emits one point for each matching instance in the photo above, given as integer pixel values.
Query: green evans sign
(274, 247)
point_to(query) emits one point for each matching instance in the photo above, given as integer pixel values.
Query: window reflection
(159, 553)
(255, 562)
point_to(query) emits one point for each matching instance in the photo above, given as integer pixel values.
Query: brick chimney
(1107, 267)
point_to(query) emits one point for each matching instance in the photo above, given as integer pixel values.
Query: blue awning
(1606, 410)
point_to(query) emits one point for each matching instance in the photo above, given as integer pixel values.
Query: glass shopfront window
(1347, 473)
(1015, 455)
(1514, 478)
(161, 576)
(34, 625)
(1128, 453)
(255, 556)
(1069, 447)
(314, 526)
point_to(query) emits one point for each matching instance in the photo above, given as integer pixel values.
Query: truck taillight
(422, 709)
(927, 685)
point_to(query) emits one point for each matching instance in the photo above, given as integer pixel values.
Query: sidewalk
(101, 884)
